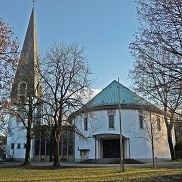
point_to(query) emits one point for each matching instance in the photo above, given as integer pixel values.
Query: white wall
(139, 146)
(16, 135)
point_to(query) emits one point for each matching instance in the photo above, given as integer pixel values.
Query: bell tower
(26, 95)
(27, 79)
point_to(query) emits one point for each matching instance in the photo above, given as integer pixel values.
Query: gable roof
(109, 96)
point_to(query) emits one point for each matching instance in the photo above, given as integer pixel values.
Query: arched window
(111, 116)
(22, 89)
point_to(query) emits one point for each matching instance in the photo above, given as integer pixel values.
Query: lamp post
(120, 126)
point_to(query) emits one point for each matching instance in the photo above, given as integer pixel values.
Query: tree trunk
(169, 135)
(28, 147)
(56, 154)
(28, 137)
(56, 149)
(170, 142)
(153, 153)
(51, 146)
(152, 141)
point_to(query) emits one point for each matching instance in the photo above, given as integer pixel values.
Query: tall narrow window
(85, 123)
(141, 121)
(111, 121)
(12, 145)
(111, 116)
(158, 124)
(22, 89)
(19, 146)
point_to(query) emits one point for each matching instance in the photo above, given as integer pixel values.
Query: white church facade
(99, 122)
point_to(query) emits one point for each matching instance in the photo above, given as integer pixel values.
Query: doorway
(111, 148)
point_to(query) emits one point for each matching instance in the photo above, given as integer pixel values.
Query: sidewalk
(168, 164)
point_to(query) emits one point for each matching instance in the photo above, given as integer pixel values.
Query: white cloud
(95, 91)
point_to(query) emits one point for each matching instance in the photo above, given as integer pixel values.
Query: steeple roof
(109, 96)
(29, 63)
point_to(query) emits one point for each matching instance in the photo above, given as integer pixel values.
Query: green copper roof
(109, 96)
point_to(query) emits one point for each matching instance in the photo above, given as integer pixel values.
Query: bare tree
(31, 119)
(67, 81)
(26, 95)
(8, 63)
(159, 85)
(26, 112)
(157, 49)
(160, 31)
(150, 130)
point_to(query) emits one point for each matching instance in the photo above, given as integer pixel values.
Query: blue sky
(104, 27)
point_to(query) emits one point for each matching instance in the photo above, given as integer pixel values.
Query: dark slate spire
(27, 74)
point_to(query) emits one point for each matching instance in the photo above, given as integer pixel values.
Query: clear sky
(104, 27)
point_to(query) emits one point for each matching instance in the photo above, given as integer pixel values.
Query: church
(27, 96)
(113, 114)
(26, 90)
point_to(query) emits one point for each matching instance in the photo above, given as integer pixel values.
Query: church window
(141, 119)
(85, 123)
(111, 121)
(19, 146)
(25, 145)
(111, 116)
(22, 89)
(12, 145)
(141, 122)
(158, 124)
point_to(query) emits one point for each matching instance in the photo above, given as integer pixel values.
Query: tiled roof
(109, 96)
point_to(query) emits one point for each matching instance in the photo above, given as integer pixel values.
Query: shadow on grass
(167, 178)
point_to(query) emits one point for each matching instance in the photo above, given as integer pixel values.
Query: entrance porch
(108, 146)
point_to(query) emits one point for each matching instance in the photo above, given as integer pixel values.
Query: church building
(26, 92)
(27, 97)
(114, 113)
(118, 107)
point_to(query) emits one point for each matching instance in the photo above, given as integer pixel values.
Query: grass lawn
(90, 174)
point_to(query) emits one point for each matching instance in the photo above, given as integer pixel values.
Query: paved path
(168, 164)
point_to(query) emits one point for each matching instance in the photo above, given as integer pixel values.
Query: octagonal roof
(110, 96)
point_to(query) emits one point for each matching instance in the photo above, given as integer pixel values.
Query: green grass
(89, 174)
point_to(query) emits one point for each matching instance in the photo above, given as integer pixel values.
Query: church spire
(33, 1)
(27, 73)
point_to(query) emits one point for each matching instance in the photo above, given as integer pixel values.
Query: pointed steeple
(27, 74)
